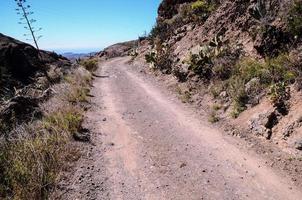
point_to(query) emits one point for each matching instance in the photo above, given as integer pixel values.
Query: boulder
(298, 144)
(262, 125)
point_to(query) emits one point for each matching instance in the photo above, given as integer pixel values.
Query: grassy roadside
(31, 160)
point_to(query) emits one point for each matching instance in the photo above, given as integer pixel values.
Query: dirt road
(148, 145)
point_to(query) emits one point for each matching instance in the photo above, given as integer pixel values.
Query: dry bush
(90, 64)
(79, 86)
(35, 154)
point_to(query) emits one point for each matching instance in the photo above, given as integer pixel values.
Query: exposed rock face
(263, 124)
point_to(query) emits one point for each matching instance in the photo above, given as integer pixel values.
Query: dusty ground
(148, 145)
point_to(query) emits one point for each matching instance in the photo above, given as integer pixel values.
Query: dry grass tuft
(32, 159)
(89, 64)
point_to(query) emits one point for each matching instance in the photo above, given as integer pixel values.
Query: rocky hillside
(25, 75)
(21, 64)
(239, 60)
(116, 50)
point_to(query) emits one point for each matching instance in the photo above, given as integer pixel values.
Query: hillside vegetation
(241, 59)
(43, 99)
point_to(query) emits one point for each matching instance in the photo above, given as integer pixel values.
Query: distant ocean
(75, 51)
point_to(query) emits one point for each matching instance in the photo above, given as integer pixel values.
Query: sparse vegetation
(248, 71)
(238, 95)
(78, 95)
(184, 95)
(213, 117)
(203, 8)
(217, 88)
(37, 152)
(30, 163)
(295, 19)
(216, 107)
(68, 120)
(161, 31)
(202, 62)
(279, 93)
(151, 58)
(271, 70)
(90, 64)
(160, 57)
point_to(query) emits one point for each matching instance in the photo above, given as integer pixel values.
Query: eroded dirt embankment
(148, 145)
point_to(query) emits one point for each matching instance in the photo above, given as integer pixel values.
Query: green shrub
(160, 57)
(237, 109)
(201, 64)
(222, 70)
(89, 64)
(279, 93)
(213, 118)
(203, 8)
(217, 89)
(216, 107)
(272, 70)
(238, 94)
(248, 68)
(281, 68)
(295, 19)
(150, 57)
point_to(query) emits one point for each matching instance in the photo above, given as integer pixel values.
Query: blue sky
(82, 25)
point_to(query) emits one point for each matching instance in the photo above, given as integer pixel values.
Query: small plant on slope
(295, 19)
